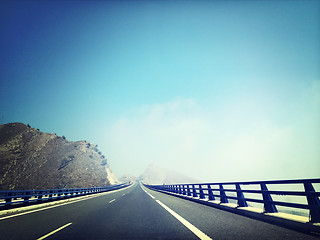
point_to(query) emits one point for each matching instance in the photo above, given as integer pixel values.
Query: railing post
(210, 192)
(180, 190)
(313, 202)
(9, 200)
(223, 196)
(269, 207)
(176, 190)
(241, 200)
(59, 194)
(201, 192)
(50, 195)
(26, 198)
(188, 190)
(194, 191)
(184, 190)
(39, 197)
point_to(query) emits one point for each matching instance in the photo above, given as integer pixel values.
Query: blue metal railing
(236, 192)
(22, 197)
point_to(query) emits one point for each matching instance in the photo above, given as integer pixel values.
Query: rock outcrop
(31, 159)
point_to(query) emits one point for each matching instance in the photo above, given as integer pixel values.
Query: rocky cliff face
(31, 159)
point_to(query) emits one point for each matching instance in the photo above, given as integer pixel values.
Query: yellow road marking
(50, 233)
(112, 200)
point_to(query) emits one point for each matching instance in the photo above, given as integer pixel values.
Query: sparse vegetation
(58, 163)
(104, 162)
(64, 163)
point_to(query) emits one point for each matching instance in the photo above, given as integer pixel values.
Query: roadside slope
(31, 159)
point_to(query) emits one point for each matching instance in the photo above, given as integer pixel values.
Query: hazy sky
(217, 90)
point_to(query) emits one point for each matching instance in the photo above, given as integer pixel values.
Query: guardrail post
(269, 207)
(176, 189)
(194, 191)
(50, 196)
(210, 192)
(9, 200)
(184, 190)
(201, 192)
(188, 190)
(26, 198)
(223, 196)
(313, 202)
(241, 200)
(39, 196)
(58, 194)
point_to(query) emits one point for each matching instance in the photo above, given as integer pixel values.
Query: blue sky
(218, 90)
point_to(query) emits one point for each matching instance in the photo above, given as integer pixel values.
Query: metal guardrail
(236, 192)
(24, 197)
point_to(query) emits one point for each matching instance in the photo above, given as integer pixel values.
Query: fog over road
(139, 213)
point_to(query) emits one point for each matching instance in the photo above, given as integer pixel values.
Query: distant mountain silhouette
(157, 175)
(127, 178)
(31, 159)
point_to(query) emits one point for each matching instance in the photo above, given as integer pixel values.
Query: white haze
(245, 139)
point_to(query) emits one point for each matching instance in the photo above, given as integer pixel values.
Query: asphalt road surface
(139, 213)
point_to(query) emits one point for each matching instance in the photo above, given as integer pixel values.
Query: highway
(139, 213)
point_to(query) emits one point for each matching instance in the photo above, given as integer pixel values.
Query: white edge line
(54, 231)
(150, 195)
(58, 205)
(192, 228)
(147, 192)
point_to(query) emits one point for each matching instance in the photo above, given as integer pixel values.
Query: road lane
(54, 231)
(219, 224)
(133, 214)
(38, 224)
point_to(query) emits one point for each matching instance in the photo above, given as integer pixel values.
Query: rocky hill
(31, 159)
(157, 175)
